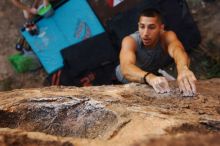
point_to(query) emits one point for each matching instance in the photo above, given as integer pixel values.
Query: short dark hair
(150, 12)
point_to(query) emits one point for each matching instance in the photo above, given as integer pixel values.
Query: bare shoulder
(129, 40)
(128, 43)
(169, 36)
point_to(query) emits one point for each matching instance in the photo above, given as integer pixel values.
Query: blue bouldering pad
(72, 22)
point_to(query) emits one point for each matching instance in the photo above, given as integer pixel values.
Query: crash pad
(72, 22)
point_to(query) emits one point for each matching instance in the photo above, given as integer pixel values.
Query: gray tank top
(148, 59)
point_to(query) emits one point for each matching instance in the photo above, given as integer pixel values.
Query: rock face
(131, 114)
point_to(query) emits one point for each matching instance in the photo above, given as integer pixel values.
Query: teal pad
(72, 22)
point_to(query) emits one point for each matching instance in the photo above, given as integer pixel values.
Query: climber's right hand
(160, 84)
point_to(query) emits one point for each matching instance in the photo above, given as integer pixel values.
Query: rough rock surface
(131, 114)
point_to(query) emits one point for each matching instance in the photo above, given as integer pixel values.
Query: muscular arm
(176, 51)
(128, 60)
(186, 78)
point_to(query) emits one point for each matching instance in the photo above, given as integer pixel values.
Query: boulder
(131, 114)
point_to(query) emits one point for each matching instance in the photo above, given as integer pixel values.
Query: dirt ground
(205, 59)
